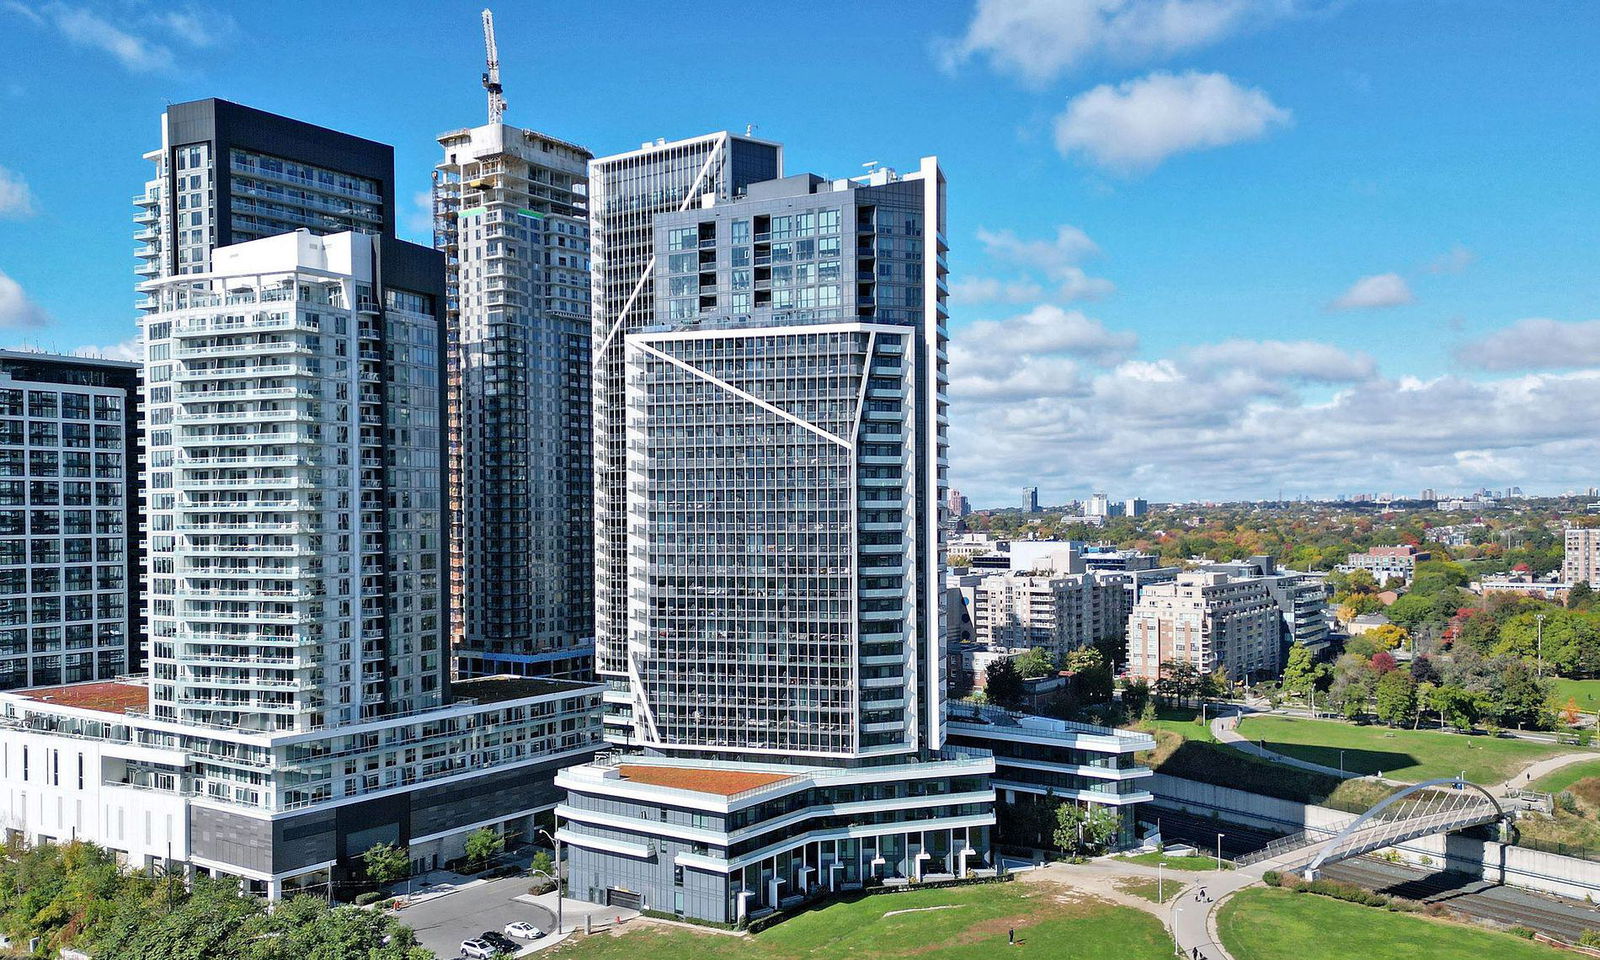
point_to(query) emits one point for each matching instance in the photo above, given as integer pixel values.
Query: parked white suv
(477, 949)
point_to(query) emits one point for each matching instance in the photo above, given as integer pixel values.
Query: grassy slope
(1197, 862)
(1266, 924)
(1585, 692)
(1409, 755)
(1559, 780)
(974, 927)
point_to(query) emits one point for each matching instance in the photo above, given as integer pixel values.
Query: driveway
(442, 923)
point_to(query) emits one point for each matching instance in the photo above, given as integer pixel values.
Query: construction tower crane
(491, 79)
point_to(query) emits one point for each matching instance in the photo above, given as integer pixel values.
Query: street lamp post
(1539, 634)
(1341, 763)
(1219, 851)
(1160, 894)
(556, 844)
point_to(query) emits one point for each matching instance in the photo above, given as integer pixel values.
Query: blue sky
(1202, 248)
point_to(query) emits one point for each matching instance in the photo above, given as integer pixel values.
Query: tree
(1516, 695)
(1003, 684)
(1091, 675)
(1396, 697)
(483, 845)
(543, 868)
(1085, 830)
(1388, 637)
(1580, 596)
(1037, 662)
(308, 928)
(1456, 706)
(1179, 680)
(1383, 662)
(386, 863)
(1300, 673)
(1135, 696)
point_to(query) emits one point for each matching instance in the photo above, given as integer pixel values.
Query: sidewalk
(1223, 729)
(1539, 768)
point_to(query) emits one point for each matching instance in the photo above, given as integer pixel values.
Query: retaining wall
(1491, 860)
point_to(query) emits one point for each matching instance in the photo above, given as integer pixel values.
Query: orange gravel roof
(723, 782)
(106, 697)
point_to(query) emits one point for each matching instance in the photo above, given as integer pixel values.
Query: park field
(1184, 722)
(1195, 862)
(1584, 693)
(1271, 924)
(960, 923)
(1558, 780)
(1405, 755)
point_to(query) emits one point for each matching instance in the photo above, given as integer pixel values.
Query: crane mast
(491, 79)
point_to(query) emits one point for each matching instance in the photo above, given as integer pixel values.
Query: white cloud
(1378, 290)
(130, 349)
(1046, 330)
(1536, 343)
(1240, 419)
(1070, 246)
(1135, 125)
(991, 290)
(1454, 260)
(140, 42)
(1051, 266)
(197, 27)
(1039, 39)
(86, 28)
(16, 199)
(418, 220)
(1298, 360)
(16, 309)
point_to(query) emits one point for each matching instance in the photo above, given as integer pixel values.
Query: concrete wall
(1491, 860)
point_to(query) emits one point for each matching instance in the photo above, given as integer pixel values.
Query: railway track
(1471, 897)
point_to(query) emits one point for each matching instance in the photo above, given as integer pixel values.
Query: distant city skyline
(1369, 273)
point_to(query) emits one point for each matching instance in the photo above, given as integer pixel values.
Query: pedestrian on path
(1011, 937)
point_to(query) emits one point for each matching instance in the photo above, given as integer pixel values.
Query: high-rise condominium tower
(293, 400)
(627, 192)
(510, 215)
(775, 425)
(69, 574)
(298, 707)
(226, 173)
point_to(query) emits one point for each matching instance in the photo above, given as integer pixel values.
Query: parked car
(523, 930)
(499, 941)
(478, 949)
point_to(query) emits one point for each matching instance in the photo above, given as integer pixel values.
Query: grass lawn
(1181, 720)
(950, 924)
(1151, 888)
(1268, 924)
(1585, 692)
(1558, 780)
(1197, 862)
(1408, 755)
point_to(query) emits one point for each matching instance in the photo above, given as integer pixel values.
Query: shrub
(1522, 932)
(1589, 938)
(371, 896)
(1271, 878)
(1567, 802)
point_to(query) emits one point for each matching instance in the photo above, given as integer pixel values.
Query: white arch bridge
(1420, 810)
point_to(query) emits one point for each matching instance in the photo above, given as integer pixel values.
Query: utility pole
(1539, 635)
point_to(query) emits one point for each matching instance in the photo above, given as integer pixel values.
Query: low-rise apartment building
(1386, 563)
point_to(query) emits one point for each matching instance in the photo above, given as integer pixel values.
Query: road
(442, 923)
(1556, 916)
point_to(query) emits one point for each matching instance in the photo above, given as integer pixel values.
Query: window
(683, 238)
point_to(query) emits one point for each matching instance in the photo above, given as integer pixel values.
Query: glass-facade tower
(783, 474)
(627, 192)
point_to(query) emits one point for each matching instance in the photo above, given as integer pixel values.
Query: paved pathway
(1539, 768)
(1224, 729)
